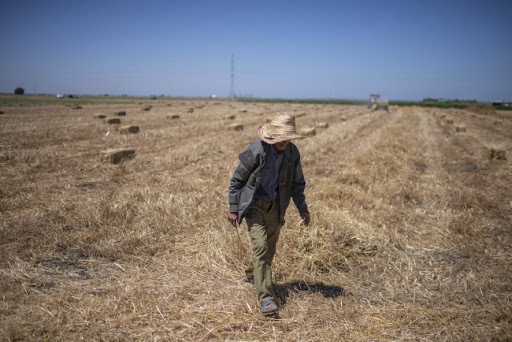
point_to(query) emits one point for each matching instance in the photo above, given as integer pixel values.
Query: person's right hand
(306, 217)
(233, 218)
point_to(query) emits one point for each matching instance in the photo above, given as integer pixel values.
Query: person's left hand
(305, 218)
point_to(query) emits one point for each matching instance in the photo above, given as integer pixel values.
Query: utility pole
(232, 88)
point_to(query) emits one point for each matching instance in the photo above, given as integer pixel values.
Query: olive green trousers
(262, 217)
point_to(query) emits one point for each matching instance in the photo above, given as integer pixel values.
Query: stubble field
(410, 240)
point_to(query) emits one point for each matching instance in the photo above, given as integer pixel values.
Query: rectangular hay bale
(112, 121)
(117, 155)
(129, 130)
(120, 113)
(236, 127)
(308, 132)
(498, 154)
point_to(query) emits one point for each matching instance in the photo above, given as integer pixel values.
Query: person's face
(280, 146)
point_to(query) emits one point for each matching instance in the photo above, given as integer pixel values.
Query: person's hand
(233, 218)
(305, 218)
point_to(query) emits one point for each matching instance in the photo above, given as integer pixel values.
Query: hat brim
(264, 133)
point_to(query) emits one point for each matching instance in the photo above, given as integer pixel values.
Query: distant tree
(19, 91)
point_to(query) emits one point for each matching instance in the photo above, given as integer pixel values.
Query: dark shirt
(269, 187)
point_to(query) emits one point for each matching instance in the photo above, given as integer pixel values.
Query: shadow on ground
(282, 291)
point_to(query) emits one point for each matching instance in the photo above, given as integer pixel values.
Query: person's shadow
(282, 291)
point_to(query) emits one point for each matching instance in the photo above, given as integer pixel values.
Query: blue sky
(404, 50)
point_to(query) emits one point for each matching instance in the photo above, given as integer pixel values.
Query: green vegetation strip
(303, 101)
(503, 107)
(428, 105)
(27, 100)
(39, 102)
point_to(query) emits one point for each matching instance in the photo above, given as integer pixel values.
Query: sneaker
(268, 307)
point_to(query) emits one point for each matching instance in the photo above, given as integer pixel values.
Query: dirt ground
(410, 240)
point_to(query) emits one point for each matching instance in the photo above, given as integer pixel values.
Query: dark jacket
(248, 176)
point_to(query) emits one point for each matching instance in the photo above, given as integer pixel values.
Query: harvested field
(410, 239)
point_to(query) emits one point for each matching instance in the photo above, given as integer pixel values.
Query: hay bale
(308, 132)
(120, 113)
(129, 130)
(173, 117)
(1, 112)
(77, 107)
(497, 153)
(322, 125)
(112, 121)
(382, 104)
(229, 117)
(343, 119)
(460, 129)
(190, 110)
(449, 121)
(442, 116)
(236, 127)
(100, 116)
(480, 108)
(117, 155)
(147, 109)
(243, 111)
(300, 115)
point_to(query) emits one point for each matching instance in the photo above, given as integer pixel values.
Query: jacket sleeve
(298, 185)
(248, 163)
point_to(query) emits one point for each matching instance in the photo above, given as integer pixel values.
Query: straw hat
(281, 128)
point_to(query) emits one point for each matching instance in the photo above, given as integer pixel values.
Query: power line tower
(232, 87)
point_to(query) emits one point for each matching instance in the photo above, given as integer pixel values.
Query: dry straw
(409, 240)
